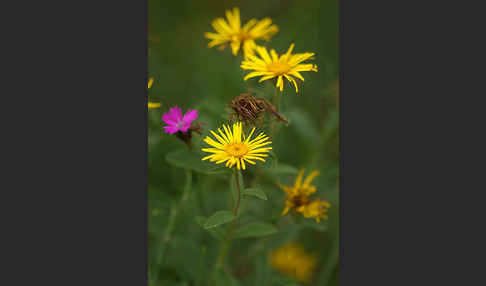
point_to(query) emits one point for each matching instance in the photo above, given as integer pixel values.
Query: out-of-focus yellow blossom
(239, 37)
(150, 103)
(298, 198)
(316, 209)
(272, 65)
(291, 259)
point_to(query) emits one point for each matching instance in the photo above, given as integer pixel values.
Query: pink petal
(189, 116)
(171, 129)
(175, 113)
(167, 118)
(185, 126)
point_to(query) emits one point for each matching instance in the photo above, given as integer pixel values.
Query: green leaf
(256, 192)
(219, 170)
(188, 160)
(217, 233)
(255, 229)
(219, 218)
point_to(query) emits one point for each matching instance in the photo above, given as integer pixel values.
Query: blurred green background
(190, 75)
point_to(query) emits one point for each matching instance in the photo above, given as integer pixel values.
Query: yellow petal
(311, 177)
(256, 73)
(262, 51)
(235, 47)
(267, 77)
(249, 24)
(299, 178)
(293, 82)
(153, 105)
(297, 75)
(221, 140)
(150, 82)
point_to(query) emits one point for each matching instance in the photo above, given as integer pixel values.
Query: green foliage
(225, 279)
(215, 232)
(255, 229)
(190, 75)
(284, 281)
(218, 218)
(256, 192)
(218, 170)
(188, 160)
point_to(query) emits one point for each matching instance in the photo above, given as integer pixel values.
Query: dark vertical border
(407, 124)
(75, 192)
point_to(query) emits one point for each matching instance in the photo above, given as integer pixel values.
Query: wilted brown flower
(250, 109)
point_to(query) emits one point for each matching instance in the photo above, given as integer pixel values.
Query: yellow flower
(316, 209)
(240, 37)
(272, 65)
(150, 82)
(235, 150)
(292, 260)
(152, 104)
(298, 198)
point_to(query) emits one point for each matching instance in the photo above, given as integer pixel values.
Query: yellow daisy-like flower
(152, 104)
(272, 65)
(234, 148)
(291, 259)
(240, 37)
(298, 198)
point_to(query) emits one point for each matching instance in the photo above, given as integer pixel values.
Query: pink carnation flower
(176, 121)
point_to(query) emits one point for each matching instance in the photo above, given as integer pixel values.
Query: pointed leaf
(217, 233)
(256, 192)
(219, 218)
(255, 229)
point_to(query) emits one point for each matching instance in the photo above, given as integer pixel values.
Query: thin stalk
(173, 215)
(276, 103)
(237, 180)
(227, 243)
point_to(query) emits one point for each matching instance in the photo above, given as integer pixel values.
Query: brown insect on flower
(250, 109)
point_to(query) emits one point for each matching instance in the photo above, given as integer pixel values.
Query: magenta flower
(176, 121)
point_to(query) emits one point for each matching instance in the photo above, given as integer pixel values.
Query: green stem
(227, 243)
(173, 214)
(237, 180)
(276, 104)
(276, 99)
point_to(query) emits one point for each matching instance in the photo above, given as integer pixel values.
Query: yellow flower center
(278, 68)
(241, 36)
(300, 200)
(237, 149)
